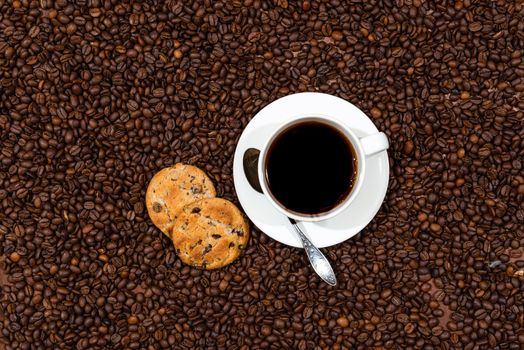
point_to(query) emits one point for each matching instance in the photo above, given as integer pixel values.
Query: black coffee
(310, 168)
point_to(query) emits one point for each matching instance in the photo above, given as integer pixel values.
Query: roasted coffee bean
(95, 97)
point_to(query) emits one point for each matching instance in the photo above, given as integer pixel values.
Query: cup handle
(375, 143)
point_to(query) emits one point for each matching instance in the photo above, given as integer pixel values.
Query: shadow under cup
(311, 168)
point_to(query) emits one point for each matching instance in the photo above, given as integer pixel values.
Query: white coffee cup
(364, 147)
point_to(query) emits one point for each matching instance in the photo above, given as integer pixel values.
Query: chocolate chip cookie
(171, 189)
(210, 233)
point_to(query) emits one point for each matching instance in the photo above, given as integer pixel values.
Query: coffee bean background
(96, 96)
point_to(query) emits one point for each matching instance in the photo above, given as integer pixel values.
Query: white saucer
(323, 233)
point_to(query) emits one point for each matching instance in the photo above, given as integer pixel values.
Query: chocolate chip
(238, 232)
(196, 189)
(157, 207)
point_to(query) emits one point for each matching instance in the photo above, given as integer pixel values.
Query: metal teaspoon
(319, 262)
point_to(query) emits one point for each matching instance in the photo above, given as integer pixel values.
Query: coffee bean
(409, 328)
(409, 147)
(342, 322)
(435, 227)
(95, 100)
(376, 113)
(14, 257)
(475, 26)
(132, 320)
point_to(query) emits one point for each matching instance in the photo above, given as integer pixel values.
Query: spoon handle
(319, 262)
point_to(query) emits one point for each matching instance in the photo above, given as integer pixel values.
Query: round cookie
(210, 233)
(172, 188)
